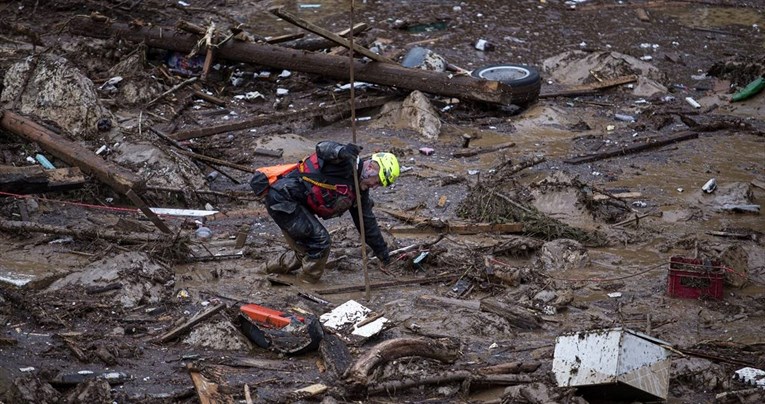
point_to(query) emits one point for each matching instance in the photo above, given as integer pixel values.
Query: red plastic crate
(691, 278)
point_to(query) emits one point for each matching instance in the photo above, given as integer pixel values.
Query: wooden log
(444, 350)
(650, 143)
(458, 376)
(517, 317)
(482, 150)
(280, 117)
(89, 233)
(34, 179)
(279, 12)
(172, 334)
(382, 285)
(337, 67)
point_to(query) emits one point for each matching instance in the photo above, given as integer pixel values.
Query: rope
(364, 260)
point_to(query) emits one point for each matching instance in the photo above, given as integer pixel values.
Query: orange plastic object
(268, 316)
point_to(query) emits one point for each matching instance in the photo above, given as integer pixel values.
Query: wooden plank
(206, 390)
(34, 179)
(516, 316)
(330, 66)
(650, 143)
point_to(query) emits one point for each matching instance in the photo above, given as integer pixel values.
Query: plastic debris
(426, 151)
(750, 90)
(484, 45)
(625, 118)
(710, 186)
(751, 376)
(692, 102)
(44, 162)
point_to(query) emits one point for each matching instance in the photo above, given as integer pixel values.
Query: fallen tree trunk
(444, 350)
(87, 233)
(337, 67)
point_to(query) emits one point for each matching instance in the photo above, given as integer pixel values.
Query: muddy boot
(313, 268)
(285, 263)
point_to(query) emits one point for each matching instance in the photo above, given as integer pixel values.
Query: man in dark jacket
(323, 186)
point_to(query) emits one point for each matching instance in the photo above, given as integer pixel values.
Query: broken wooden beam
(207, 390)
(588, 89)
(518, 317)
(90, 233)
(279, 12)
(34, 179)
(174, 333)
(650, 143)
(442, 349)
(280, 117)
(319, 43)
(337, 67)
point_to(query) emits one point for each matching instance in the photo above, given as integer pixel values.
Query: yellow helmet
(389, 169)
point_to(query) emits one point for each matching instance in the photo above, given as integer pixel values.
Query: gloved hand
(349, 152)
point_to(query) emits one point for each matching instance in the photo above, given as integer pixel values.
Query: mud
(59, 316)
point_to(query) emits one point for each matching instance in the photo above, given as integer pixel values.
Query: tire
(524, 81)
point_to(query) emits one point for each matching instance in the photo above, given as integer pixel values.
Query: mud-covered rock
(96, 391)
(30, 389)
(220, 335)
(562, 255)
(52, 88)
(136, 86)
(143, 280)
(579, 67)
(415, 113)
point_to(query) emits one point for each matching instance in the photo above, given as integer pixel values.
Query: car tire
(524, 81)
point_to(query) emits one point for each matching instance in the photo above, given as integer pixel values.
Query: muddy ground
(56, 321)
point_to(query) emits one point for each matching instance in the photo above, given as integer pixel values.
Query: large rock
(142, 279)
(415, 113)
(220, 335)
(578, 67)
(51, 88)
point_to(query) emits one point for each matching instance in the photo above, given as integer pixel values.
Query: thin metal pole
(360, 211)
